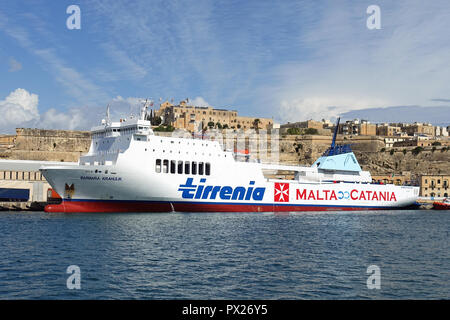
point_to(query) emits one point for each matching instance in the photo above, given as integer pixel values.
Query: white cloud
(18, 108)
(75, 119)
(199, 102)
(321, 107)
(351, 67)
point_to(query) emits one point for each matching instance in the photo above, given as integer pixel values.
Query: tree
(218, 125)
(154, 119)
(416, 150)
(162, 128)
(293, 131)
(225, 126)
(311, 131)
(211, 124)
(256, 123)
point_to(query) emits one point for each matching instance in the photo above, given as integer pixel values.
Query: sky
(286, 60)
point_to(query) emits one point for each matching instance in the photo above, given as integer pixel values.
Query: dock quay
(22, 205)
(22, 186)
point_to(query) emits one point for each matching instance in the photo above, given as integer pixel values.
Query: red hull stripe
(441, 206)
(150, 206)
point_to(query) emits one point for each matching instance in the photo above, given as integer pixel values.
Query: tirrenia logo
(202, 191)
(281, 192)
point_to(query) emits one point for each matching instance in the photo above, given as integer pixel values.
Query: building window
(187, 167)
(180, 167)
(207, 168)
(173, 166)
(165, 166)
(200, 168)
(194, 167)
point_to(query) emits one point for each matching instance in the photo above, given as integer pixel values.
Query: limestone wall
(52, 145)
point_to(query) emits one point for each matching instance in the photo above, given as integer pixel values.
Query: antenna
(333, 142)
(107, 115)
(144, 110)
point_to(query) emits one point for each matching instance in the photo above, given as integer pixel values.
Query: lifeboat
(444, 205)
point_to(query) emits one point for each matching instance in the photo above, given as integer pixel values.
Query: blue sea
(226, 255)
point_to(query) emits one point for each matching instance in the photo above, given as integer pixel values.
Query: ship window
(200, 168)
(180, 167)
(173, 166)
(158, 165)
(187, 167)
(194, 167)
(207, 168)
(165, 166)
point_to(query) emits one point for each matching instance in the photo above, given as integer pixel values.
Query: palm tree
(256, 123)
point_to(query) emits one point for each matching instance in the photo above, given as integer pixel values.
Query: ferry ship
(130, 169)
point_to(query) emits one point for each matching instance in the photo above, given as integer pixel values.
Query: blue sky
(290, 60)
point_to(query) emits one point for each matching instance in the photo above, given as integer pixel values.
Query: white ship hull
(138, 172)
(144, 190)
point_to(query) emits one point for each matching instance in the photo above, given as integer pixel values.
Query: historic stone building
(435, 186)
(192, 118)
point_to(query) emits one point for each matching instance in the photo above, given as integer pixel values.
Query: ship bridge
(112, 138)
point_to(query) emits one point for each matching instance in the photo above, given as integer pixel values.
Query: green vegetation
(256, 123)
(163, 128)
(311, 131)
(436, 143)
(299, 131)
(416, 150)
(404, 151)
(383, 150)
(391, 152)
(211, 124)
(154, 121)
(293, 131)
(219, 125)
